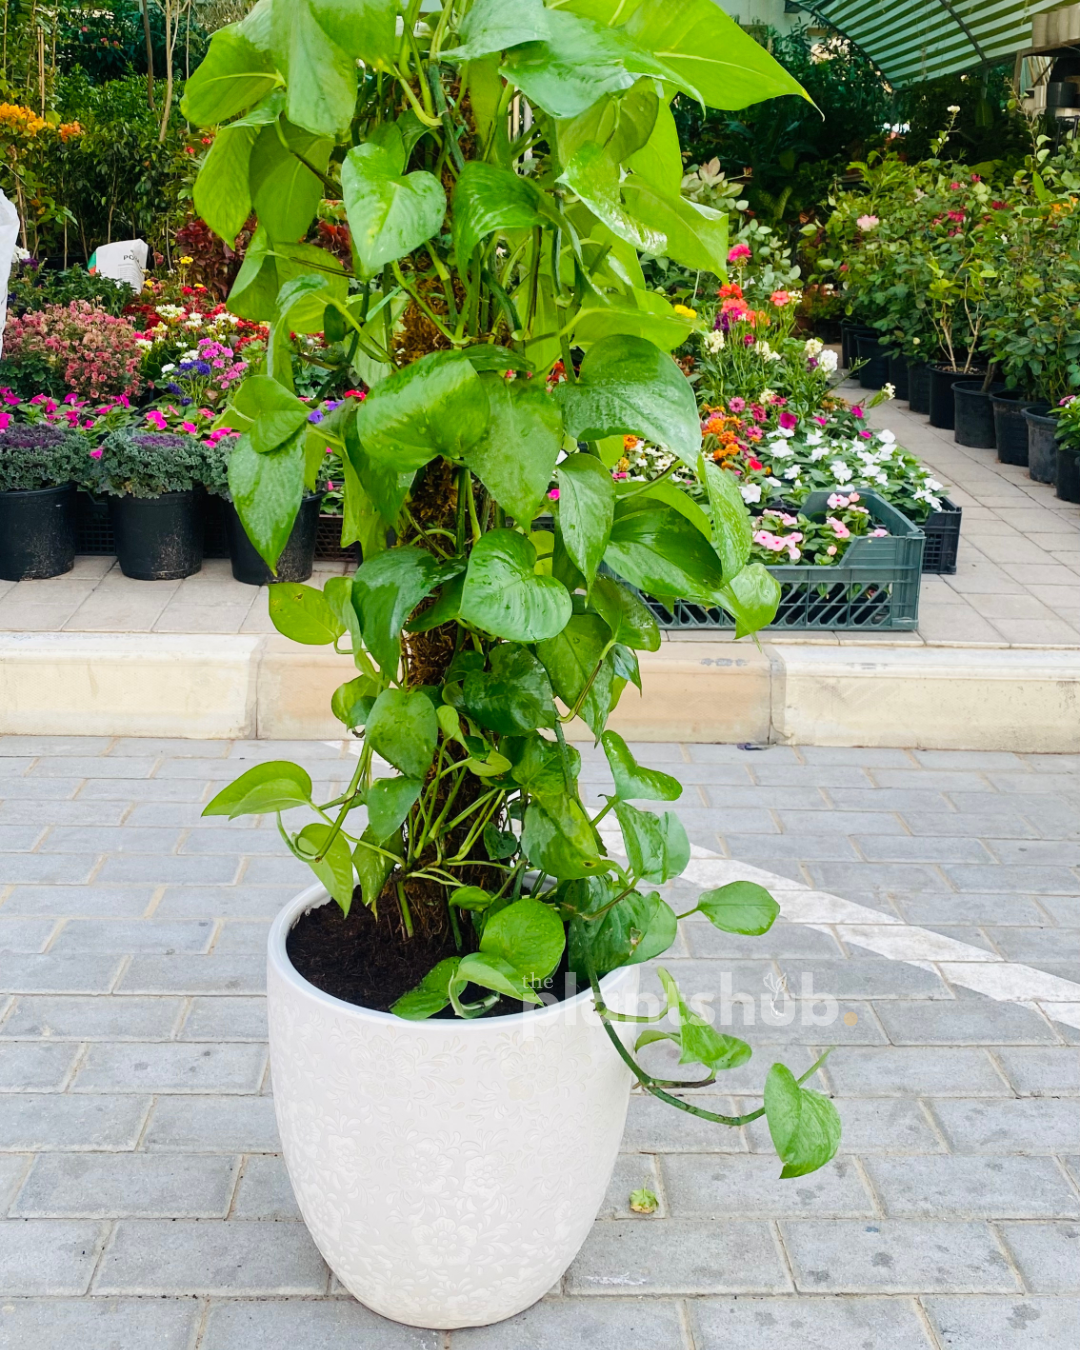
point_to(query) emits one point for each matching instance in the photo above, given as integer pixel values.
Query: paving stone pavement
(936, 895)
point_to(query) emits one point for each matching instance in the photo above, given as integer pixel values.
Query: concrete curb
(957, 698)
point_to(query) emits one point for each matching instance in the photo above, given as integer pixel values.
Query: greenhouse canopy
(913, 40)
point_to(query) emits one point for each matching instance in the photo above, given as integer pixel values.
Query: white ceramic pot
(448, 1171)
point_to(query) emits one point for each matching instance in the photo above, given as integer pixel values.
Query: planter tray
(874, 589)
(328, 542)
(942, 530)
(94, 531)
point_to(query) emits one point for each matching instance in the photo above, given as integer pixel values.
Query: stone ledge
(707, 692)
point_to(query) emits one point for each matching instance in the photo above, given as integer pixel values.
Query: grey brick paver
(97, 1324)
(138, 1089)
(210, 1256)
(896, 1256)
(1047, 1254)
(48, 1256)
(973, 1187)
(104, 1018)
(820, 1324)
(677, 1256)
(127, 1185)
(331, 1324)
(161, 1067)
(1006, 1323)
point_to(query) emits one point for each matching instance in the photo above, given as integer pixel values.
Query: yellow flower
(186, 262)
(686, 310)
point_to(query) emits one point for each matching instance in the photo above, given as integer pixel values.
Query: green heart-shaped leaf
(503, 595)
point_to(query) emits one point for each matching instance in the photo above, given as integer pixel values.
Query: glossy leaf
(389, 214)
(487, 198)
(547, 846)
(540, 769)
(402, 728)
(660, 552)
(303, 613)
(697, 1041)
(659, 161)
(372, 865)
(334, 868)
(491, 971)
(711, 56)
(621, 123)
(751, 597)
(284, 191)
(386, 590)
(504, 596)
(628, 386)
(732, 532)
(639, 928)
(645, 314)
(352, 701)
(431, 995)
(631, 621)
(527, 934)
(511, 698)
(494, 26)
(268, 266)
(221, 193)
(388, 802)
(436, 405)
(515, 457)
(474, 898)
(665, 491)
(739, 907)
(804, 1125)
(694, 235)
(233, 75)
(321, 78)
(266, 491)
(586, 511)
(276, 785)
(633, 782)
(656, 845)
(572, 657)
(277, 413)
(363, 28)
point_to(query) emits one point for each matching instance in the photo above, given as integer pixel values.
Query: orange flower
(629, 442)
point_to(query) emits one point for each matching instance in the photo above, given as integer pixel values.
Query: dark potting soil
(366, 961)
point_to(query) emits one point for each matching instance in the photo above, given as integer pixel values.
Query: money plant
(501, 168)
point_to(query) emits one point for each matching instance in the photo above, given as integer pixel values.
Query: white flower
(819, 453)
(827, 361)
(813, 347)
(165, 369)
(953, 108)
(714, 341)
(751, 492)
(933, 484)
(779, 450)
(774, 482)
(762, 348)
(886, 437)
(792, 471)
(840, 471)
(766, 395)
(814, 438)
(786, 432)
(889, 390)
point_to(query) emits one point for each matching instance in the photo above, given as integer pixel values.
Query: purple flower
(316, 416)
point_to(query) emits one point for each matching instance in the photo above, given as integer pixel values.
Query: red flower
(754, 464)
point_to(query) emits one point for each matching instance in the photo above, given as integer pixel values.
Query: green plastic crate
(875, 588)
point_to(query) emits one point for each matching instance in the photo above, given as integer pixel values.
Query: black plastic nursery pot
(1042, 443)
(1010, 428)
(296, 558)
(158, 538)
(875, 372)
(850, 330)
(974, 414)
(37, 533)
(1068, 473)
(918, 387)
(942, 404)
(898, 375)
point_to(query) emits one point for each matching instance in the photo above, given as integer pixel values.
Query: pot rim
(190, 492)
(313, 896)
(34, 492)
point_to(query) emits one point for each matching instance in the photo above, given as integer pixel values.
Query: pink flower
(955, 187)
(157, 419)
(853, 496)
(831, 551)
(868, 223)
(737, 404)
(878, 533)
(739, 253)
(553, 495)
(822, 421)
(9, 398)
(788, 421)
(857, 412)
(758, 413)
(96, 454)
(5, 421)
(867, 435)
(839, 528)
(837, 501)
(329, 485)
(189, 427)
(780, 299)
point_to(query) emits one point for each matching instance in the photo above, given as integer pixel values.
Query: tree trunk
(149, 53)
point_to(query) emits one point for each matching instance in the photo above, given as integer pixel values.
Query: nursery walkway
(935, 895)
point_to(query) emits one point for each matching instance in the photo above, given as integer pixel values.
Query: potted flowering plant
(39, 468)
(153, 480)
(449, 1107)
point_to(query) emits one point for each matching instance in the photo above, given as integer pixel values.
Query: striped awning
(919, 39)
